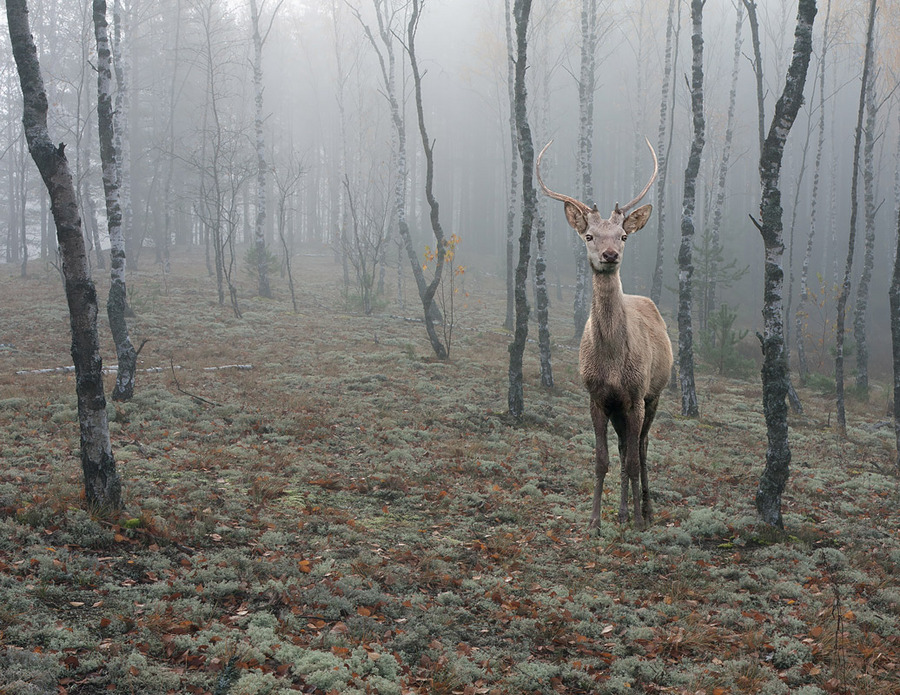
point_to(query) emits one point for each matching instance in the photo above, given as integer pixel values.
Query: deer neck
(608, 311)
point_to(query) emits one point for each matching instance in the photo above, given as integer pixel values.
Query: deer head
(603, 238)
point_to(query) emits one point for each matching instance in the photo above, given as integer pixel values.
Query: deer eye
(588, 237)
(624, 237)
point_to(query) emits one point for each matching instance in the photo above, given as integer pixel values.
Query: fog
(190, 107)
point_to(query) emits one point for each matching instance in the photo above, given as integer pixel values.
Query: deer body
(625, 357)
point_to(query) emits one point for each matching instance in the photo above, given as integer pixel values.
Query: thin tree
(121, 117)
(513, 194)
(516, 395)
(103, 488)
(775, 379)
(386, 16)
(259, 40)
(844, 293)
(708, 303)
(116, 303)
(586, 90)
(894, 297)
(802, 365)
(664, 142)
(862, 290)
(689, 405)
(428, 147)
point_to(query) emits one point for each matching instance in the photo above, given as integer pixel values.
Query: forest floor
(346, 514)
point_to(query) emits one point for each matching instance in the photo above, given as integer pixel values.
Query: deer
(625, 356)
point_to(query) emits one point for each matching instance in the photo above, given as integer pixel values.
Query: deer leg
(634, 420)
(619, 426)
(601, 464)
(649, 414)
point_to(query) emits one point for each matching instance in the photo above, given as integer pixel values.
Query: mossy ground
(352, 516)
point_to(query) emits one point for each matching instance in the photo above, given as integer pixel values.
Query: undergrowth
(350, 516)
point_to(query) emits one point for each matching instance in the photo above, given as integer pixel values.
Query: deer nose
(610, 256)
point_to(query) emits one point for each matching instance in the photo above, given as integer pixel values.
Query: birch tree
(512, 200)
(894, 298)
(516, 394)
(708, 300)
(121, 116)
(802, 364)
(103, 488)
(775, 381)
(664, 143)
(259, 40)
(586, 90)
(116, 303)
(689, 405)
(862, 290)
(844, 293)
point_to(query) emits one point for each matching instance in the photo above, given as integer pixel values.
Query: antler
(624, 209)
(559, 196)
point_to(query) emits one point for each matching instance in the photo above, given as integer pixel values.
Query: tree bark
(757, 70)
(689, 406)
(894, 296)
(440, 350)
(802, 365)
(516, 395)
(117, 302)
(259, 39)
(862, 291)
(709, 300)
(854, 211)
(586, 89)
(775, 380)
(513, 198)
(103, 488)
(662, 149)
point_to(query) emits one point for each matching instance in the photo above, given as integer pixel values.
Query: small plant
(718, 343)
(447, 290)
(251, 266)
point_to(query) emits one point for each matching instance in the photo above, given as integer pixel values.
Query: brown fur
(626, 355)
(625, 358)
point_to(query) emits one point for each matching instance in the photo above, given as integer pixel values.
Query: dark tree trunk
(775, 381)
(516, 397)
(862, 291)
(689, 405)
(757, 70)
(894, 295)
(116, 303)
(844, 294)
(440, 245)
(103, 489)
(802, 365)
(662, 149)
(542, 301)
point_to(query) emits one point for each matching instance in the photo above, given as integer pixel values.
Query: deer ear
(637, 219)
(576, 217)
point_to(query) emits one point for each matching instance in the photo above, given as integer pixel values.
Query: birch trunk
(122, 67)
(862, 291)
(116, 303)
(757, 70)
(262, 271)
(689, 405)
(516, 395)
(709, 300)
(844, 294)
(103, 488)
(775, 380)
(586, 88)
(513, 198)
(802, 365)
(664, 143)
(542, 300)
